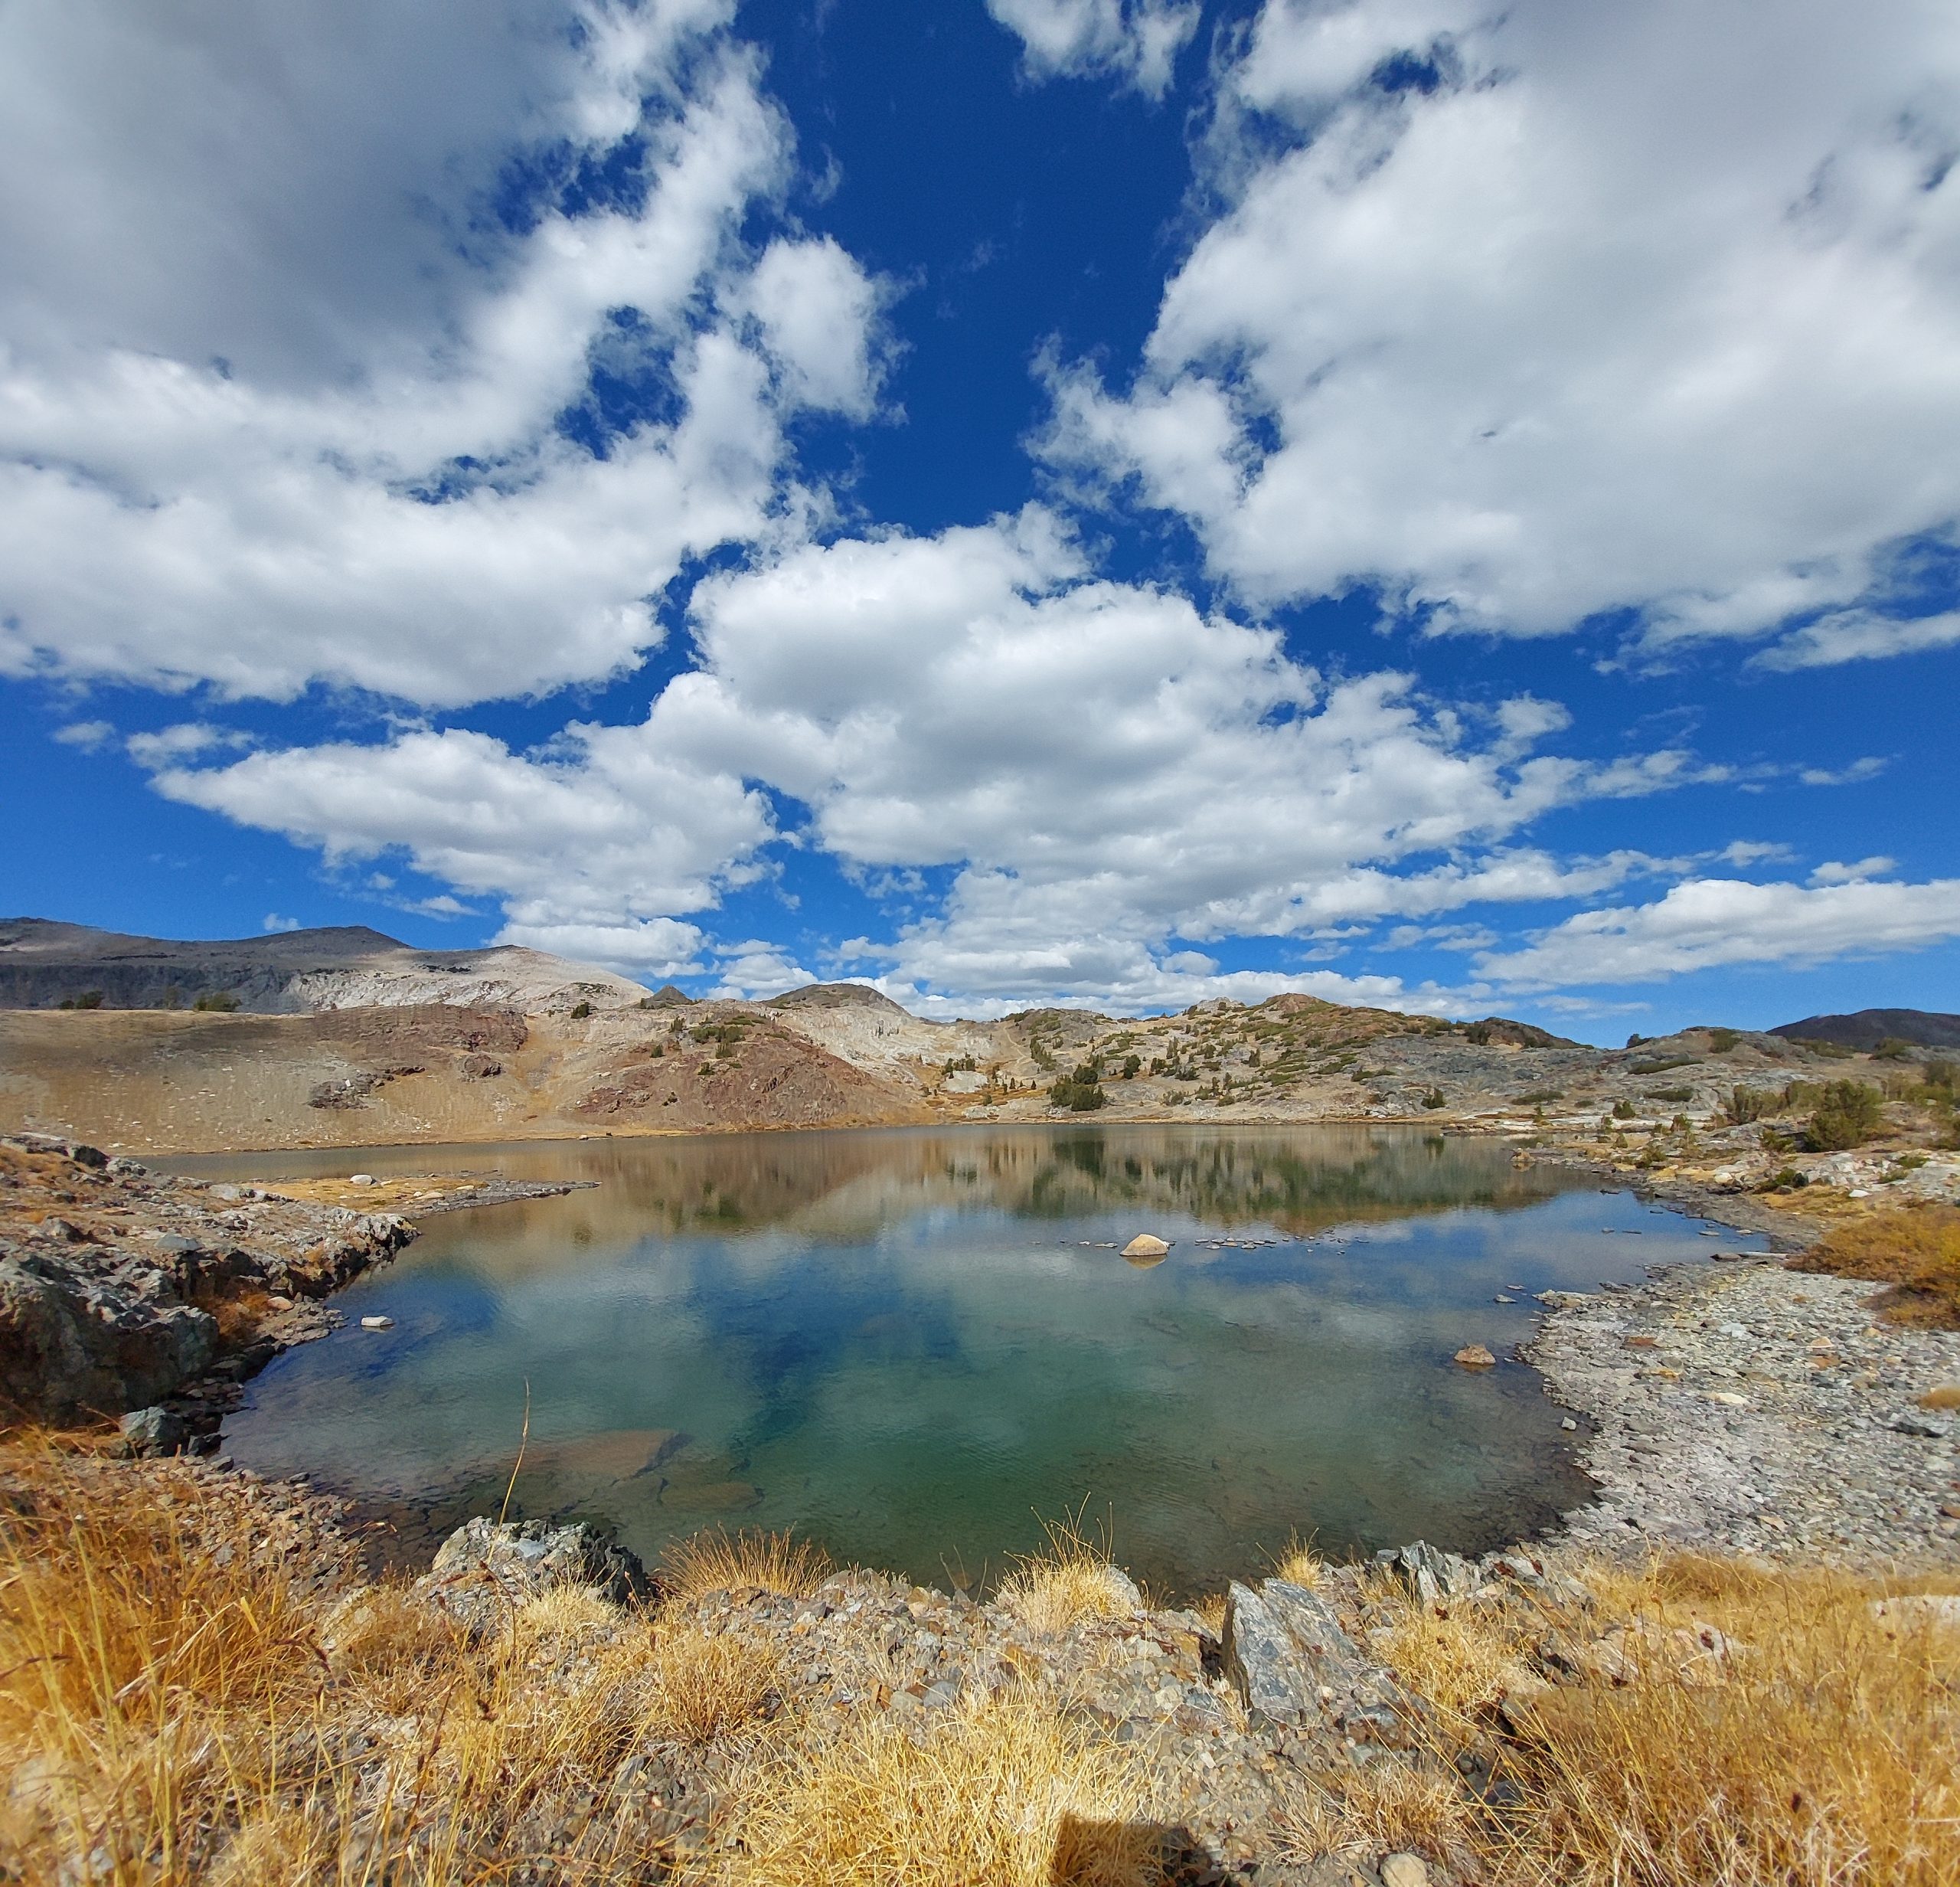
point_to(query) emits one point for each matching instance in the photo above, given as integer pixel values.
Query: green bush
(1078, 1096)
(88, 999)
(1720, 1040)
(1434, 1098)
(1623, 1110)
(580, 1011)
(1848, 1115)
(1746, 1104)
(223, 1003)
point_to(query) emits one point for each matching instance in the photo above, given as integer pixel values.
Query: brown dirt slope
(162, 1081)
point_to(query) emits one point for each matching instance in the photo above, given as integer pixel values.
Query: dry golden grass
(173, 1708)
(1816, 1752)
(708, 1685)
(715, 1560)
(1009, 1793)
(1298, 1564)
(1392, 1805)
(1916, 1252)
(1070, 1580)
(1210, 1612)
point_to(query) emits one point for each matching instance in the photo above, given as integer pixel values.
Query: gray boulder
(1295, 1666)
(148, 1433)
(1433, 1577)
(485, 1568)
(72, 1345)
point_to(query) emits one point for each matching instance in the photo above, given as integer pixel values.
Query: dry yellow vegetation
(1011, 1792)
(174, 1707)
(1744, 1727)
(1916, 1251)
(185, 1698)
(1071, 1579)
(715, 1560)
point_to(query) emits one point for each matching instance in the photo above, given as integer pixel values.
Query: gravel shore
(1746, 1408)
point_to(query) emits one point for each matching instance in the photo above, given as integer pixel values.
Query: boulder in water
(1146, 1249)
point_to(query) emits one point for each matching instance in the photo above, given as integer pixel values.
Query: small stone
(362, 1180)
(1475, 1356)
(147, 1433)
(1568, 1425)
(377, 1323)
(1728, 1398)
(1404, 1870)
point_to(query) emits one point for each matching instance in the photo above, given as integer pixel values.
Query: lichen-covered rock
(1296, 1665)
(487, 1567)
(72, 1345)
(148, 1433)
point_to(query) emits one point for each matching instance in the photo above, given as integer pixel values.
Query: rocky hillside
(46, 965)
(346, 1038)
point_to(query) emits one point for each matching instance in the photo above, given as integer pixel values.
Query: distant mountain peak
(1866, 1028)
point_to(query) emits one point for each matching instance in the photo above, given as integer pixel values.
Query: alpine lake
(914, 1346)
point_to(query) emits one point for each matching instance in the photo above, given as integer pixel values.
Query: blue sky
(1109, 502)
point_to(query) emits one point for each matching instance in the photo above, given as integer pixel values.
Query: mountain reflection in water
(910, 1343)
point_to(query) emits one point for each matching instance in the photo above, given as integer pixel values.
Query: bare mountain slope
(1867, 1028)
(44, 965)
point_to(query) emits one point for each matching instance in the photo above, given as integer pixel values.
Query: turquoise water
(912, 1344)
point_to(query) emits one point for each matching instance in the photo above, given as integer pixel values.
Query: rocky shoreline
(152, 1297)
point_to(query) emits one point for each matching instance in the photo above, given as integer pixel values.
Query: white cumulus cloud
(1707, 922)
(1526, 313)
(1137, 42)
(226, 458)
(1109, 773)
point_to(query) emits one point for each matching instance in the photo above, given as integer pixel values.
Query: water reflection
(907, 1343)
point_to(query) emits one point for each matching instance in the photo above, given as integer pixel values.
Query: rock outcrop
(1295, 1666)
(119, 1298)
(487, 1567)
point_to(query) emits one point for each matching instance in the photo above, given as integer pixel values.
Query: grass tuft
(715, 1560)
(1915, 1251)
(708, 1685)
(1010, 1792)
(1070, 1580)
(1299, 1564)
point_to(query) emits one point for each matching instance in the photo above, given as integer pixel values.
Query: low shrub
(1915, 1251)
(1848, 1114)
(220, 1002)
